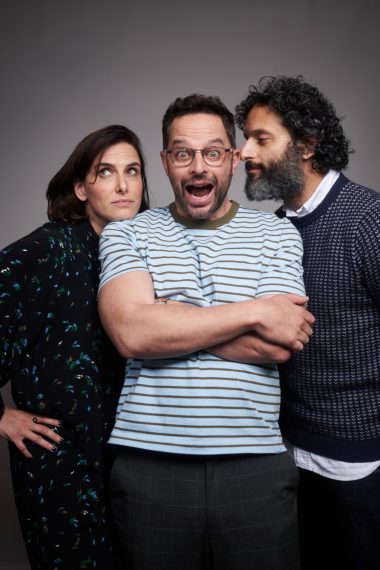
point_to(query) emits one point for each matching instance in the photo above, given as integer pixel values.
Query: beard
(281, 179)
(220, 193)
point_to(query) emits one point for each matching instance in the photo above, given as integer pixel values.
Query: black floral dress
(60, 364)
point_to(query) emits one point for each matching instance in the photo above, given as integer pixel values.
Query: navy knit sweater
(331, 390)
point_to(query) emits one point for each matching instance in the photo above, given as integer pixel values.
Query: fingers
(282, 355)
(309, 317)
(35, 438)
(43, 442)
(306, 328)
(47, 433)
(297, 299)
(48, 421)
(298, 346)
(18, 425)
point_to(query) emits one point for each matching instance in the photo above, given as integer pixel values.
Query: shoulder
(147, 220)
(43, 243)
(266, 221)
(357, 198)
(359, 206)
(259, 216)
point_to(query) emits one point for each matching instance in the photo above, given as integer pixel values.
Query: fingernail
(53, 448)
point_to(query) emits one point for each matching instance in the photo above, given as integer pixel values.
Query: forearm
(163, 331)
(141, 329)
(251, 349)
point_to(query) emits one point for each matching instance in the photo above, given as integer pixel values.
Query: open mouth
(199, 190)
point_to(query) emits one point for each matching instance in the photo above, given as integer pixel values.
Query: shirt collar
(316, 198)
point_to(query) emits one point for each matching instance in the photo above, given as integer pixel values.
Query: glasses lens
(213, 155)
(182, 155)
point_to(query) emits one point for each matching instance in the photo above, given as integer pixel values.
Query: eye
(263, 140)
(182, 154)
(104, 171)
(133, 171)
(213, 153)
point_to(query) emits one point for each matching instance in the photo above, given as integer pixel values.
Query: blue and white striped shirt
(199, 403)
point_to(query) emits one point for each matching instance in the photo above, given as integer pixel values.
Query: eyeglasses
(212, 155)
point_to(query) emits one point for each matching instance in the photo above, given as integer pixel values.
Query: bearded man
(295, 150)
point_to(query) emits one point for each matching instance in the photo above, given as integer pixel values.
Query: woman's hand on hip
(17, 426)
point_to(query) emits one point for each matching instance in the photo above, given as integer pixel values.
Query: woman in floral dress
(64, 372)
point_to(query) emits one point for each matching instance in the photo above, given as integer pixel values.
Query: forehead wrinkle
(182, 142)
(133, 163)
(198, 129)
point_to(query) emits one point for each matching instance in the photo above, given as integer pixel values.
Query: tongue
(198, 191)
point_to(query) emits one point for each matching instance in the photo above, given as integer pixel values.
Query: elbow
(130, 347)
(126, 348)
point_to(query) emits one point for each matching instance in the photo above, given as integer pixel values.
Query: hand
(251, 349)
(284, 320)
(17, 425)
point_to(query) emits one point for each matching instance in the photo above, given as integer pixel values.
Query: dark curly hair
(307, 114)
(197, 103)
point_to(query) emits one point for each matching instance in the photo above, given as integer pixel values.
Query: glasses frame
(193, 151)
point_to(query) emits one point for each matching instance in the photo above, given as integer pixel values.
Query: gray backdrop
(70, 67)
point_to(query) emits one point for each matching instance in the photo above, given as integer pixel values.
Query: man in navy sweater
(295, 150)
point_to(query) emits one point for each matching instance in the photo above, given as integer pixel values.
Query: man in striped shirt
(202, 479)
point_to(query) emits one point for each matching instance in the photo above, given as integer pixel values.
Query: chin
(199, 213)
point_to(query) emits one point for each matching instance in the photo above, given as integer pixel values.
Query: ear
(164, 160)
(80, 191)
(307, 148)
(235, 159)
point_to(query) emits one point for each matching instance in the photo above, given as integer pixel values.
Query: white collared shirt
(325, 466)
(317, 197)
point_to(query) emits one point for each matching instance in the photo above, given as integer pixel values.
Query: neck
(312, 179)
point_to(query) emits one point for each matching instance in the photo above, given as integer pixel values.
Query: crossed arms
(267, 329)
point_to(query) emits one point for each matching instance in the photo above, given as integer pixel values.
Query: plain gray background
(70, 67)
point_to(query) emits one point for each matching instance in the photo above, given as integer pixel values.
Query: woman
(63, 371)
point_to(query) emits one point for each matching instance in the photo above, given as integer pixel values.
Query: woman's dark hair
(307, 114)
(63, 204)
(197, 103)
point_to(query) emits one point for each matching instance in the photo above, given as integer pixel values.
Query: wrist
(252, 315)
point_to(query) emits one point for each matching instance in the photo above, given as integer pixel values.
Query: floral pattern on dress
(60, 364)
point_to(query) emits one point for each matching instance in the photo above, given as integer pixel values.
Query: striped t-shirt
(199, 403)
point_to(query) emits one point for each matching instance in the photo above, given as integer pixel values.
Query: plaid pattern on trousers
(181, 512)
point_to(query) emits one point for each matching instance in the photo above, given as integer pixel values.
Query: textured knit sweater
(331, 390)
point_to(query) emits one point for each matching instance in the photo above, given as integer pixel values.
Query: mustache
(249, 165)
(200, 179)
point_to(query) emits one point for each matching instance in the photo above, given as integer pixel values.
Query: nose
(122, 185)
(247, 151)
(198, 165)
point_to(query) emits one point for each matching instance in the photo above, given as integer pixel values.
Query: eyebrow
(256, 132)
(210, 142)
(135, 163)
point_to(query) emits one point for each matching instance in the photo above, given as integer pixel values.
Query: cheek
(138, 194)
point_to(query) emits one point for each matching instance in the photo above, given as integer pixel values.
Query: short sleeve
(119, 252)
(284, 271)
